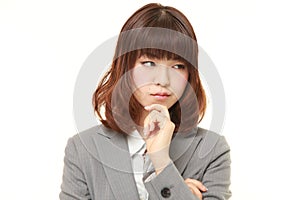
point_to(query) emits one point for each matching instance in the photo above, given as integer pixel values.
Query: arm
(169, 184)
(73, 186)
(217, 175)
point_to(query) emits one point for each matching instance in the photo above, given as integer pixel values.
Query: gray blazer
(98, 166)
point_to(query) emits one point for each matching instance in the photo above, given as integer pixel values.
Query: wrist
(160, 160)
(158, 170)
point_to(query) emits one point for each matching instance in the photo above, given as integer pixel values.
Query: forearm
(169, 184)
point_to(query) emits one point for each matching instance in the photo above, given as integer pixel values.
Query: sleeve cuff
(176, 187)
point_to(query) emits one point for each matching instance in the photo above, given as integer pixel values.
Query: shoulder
(88, 140)
(211, 142)
(100, 132)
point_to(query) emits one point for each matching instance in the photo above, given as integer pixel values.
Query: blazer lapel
(182, 148)
(114, 155)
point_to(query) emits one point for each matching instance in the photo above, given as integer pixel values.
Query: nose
(162, 76)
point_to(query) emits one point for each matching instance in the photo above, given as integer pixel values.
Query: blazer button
(166, 192)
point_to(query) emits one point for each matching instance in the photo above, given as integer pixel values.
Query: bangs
(159, 54)
(159, 43)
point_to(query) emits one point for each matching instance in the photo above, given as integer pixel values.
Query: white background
(254, 45)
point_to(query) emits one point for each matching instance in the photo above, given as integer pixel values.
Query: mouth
(161, 95)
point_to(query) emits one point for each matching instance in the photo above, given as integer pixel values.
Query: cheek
(141, 77)
(178, 83)
(179, 87)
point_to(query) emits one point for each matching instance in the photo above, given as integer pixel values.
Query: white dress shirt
(137, 147)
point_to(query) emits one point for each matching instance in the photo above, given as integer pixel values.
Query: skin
(159, 85)
(153, 76)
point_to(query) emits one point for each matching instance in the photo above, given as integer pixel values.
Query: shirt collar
(136, 143)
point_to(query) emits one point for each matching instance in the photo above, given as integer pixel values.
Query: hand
(158, 131)
(195, 187)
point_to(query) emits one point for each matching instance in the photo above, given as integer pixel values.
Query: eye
(179, 66)
(148, 63)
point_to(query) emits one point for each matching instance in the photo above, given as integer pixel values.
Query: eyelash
(145, 63)
(179, 66)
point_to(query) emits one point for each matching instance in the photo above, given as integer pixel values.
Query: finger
(152, 124)
(156, 119)
(160, 108)
(154, 115)
(146, 129)
(197, 183)
(158, 116)
(152, 120)
(195, 190)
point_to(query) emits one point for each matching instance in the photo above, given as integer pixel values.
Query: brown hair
(158, 32)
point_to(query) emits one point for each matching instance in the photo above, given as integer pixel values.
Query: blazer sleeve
(74, 186)
(217, 174)
(169, 184)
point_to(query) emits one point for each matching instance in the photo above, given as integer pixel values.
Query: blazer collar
(117, 162)
(114, 155)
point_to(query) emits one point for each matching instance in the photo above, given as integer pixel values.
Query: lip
(161, 95)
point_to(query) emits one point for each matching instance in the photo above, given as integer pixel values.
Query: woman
(148, 145)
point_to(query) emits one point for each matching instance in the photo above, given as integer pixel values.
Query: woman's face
(159, 81)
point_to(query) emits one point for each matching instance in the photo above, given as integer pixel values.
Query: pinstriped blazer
(97, 166)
